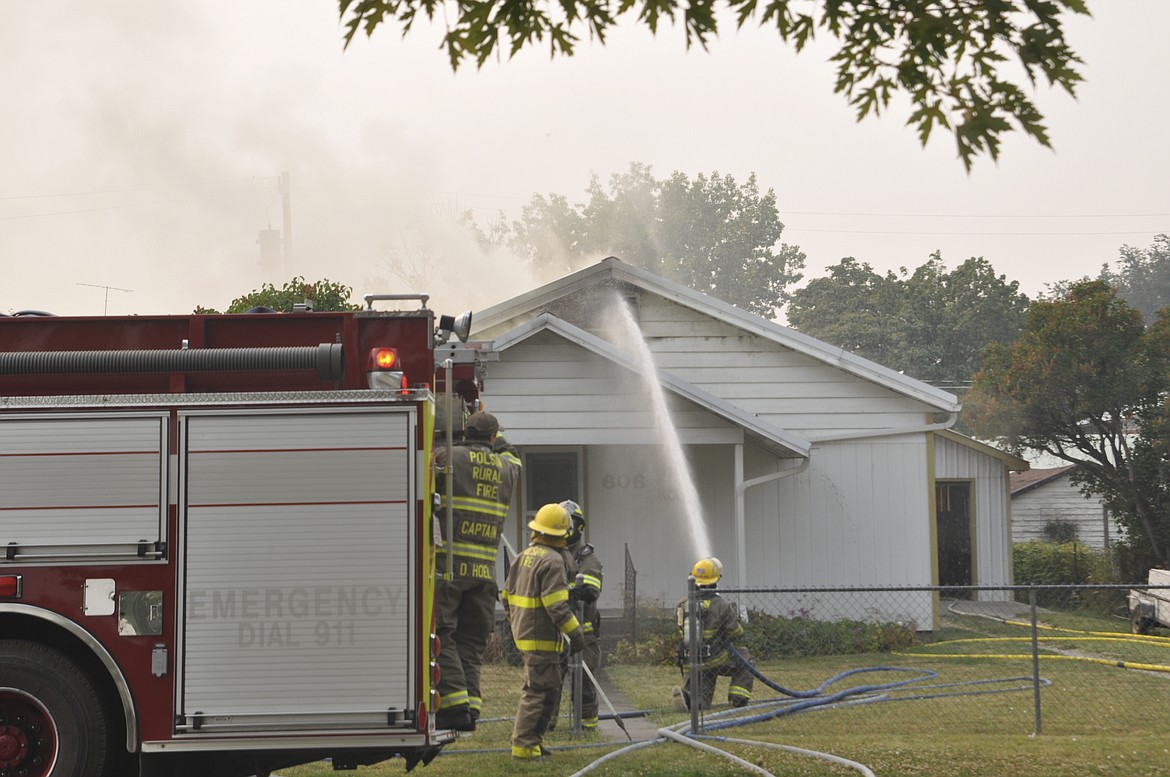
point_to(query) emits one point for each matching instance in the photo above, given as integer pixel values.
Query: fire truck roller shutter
(325, 358)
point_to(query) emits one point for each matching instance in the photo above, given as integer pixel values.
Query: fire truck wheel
(51, 719)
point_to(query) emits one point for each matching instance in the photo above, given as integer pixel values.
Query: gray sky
(143, 142)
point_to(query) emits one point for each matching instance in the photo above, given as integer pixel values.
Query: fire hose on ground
(791, 702)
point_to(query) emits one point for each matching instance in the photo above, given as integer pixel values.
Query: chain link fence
(892, 661)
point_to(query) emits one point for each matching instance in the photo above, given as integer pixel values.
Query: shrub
(656, 637)
(799, 635)
(656, 650)
(1060, 530)
(1067, 563)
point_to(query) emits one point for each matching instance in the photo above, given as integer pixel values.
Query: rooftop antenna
(106, 306)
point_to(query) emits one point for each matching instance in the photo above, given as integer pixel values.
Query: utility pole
(286, 201)
(106, 305)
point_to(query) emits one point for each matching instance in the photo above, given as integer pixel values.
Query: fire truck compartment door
(298, 569)
(82, 486)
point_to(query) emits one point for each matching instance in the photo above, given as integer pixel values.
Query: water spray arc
(634, 342)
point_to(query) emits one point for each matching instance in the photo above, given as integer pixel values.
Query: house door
(549, 476)
(953, 512)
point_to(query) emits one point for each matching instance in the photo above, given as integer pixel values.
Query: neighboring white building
(813, 466)
(1044, 496)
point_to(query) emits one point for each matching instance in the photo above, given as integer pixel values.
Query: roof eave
(784, 336)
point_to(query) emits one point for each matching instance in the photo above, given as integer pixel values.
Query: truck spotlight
(450, 325)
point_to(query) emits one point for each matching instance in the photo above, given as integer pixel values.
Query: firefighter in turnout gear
(719, 620)
(589, 566)
(536, 604)
(484, 470)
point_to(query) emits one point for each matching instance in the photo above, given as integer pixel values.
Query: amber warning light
(384, 358)
(10, 587)
(383, 372)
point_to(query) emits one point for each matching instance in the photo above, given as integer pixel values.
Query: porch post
(740, 518)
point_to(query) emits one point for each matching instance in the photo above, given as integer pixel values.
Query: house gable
(795, 382)
(556, 381)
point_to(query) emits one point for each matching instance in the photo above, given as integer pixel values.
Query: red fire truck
(216, 543)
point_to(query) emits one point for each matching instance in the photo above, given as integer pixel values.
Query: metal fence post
(1035, 659)
(576, 725)
(694, 642)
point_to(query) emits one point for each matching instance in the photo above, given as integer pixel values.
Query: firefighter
(719, 621)
(536, 604)
(484, 472)
(589, 566)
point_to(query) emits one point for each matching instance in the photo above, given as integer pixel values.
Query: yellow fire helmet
(707, 571)
(552, 519)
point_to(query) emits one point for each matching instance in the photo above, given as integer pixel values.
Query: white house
(1044, 497)
(810, 466)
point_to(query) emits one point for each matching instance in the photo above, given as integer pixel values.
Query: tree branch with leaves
(952, 58)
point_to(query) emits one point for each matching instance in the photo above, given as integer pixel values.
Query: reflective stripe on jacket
(482, 484)
(536, 599)
(720, 623)
(589, 566)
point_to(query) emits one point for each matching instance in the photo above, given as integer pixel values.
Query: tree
(324, 294)
(1143, 276)
(1087, 382)
(930, 324)
(710, 233)
(945, 55)
(853, 308)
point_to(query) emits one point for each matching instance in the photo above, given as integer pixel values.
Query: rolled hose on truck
(325, 358)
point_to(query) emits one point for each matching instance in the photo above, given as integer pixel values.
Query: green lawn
(977, 717)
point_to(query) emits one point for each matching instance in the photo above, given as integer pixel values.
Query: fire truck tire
(51, 716)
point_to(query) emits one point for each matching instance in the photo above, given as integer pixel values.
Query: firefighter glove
(587, 594)
(576, 641)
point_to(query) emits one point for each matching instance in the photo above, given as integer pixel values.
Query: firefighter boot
(679, 699)
(530, 753)
(455, 718)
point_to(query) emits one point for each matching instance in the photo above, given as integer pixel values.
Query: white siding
(859, 516)
(989, 501)
(1059, 500)
(790, 389)
(549, 391)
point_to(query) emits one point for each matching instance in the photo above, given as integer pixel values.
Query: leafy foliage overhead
(930, 324)
(710, 234)
(947, 56)
(1087, 382)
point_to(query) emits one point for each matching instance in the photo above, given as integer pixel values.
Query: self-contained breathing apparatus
(708, 648)
(706, 572)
